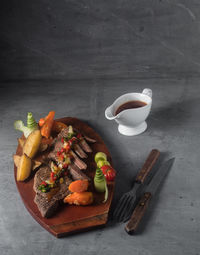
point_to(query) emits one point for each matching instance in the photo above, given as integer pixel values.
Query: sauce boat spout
(109, 113)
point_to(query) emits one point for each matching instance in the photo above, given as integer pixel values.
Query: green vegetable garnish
(31, 125)
(101, 163)
(44, 188)
(100, 183)
(100, 156)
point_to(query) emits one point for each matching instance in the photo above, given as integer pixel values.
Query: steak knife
(149, 192)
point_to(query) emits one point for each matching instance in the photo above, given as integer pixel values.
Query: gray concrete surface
(76, 57)
(172, 223)
(88, 39)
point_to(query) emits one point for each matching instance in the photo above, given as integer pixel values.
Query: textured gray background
(76, 57)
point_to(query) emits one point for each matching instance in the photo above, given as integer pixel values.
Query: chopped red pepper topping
(65, 166)
(53, 177)
(44, 183)
(62, 140)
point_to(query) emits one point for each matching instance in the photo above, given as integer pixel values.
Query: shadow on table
(175, 114)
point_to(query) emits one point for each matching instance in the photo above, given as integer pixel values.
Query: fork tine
(129, 207)
(120, 206)
(123, 208)
(123, 211)
(129, 211)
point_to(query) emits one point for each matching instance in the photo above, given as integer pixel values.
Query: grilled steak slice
(49, 202)
(58, 145)
(83, 143)
(79, 151)
(46, 208)
(52, 155)
(77, 174)
(90, 140)
(41, 175)
(77, 161)
(85, 146)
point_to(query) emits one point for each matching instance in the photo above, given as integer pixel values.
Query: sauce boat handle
(147, 92)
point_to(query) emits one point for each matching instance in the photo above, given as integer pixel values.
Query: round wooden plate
(69, 218)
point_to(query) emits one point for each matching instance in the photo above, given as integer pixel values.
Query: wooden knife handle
(148, 165)
(138, 213)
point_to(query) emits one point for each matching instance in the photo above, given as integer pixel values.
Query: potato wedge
(16, 159)
(24, 168)
(21, 142)
(35, 164)
(32, 143)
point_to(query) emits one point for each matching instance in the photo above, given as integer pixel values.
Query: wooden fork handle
(148, 165)
(138, 213)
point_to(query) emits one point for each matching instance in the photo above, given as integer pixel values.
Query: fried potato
(16, 159)
(32, 144)
(21, 142)
(24, 168)
(35, 164)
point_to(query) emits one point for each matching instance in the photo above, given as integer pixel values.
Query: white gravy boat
(131, 121)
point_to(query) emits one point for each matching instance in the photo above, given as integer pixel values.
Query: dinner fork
(127, 202)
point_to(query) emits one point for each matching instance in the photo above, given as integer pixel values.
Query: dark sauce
(130, 105)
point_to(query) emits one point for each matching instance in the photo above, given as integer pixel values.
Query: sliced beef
(90, 140)
(77, 161)
(52, 155)
(77, 174)
(79, 151)
(85, 146)
(57, 145)
(49, 202)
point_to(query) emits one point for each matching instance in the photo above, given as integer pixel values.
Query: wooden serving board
(71, 218)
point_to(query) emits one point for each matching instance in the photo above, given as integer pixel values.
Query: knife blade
(149, 192)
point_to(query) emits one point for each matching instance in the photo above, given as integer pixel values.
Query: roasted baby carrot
(47, 126)
(41, 122)
(82, 198)
(79, 186)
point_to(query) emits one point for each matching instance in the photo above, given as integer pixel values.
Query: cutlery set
(133, 204)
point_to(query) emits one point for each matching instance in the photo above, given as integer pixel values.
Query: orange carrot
(46, 128)
(41, 122)
(58, 126)
(82, 198)
(79, 186)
